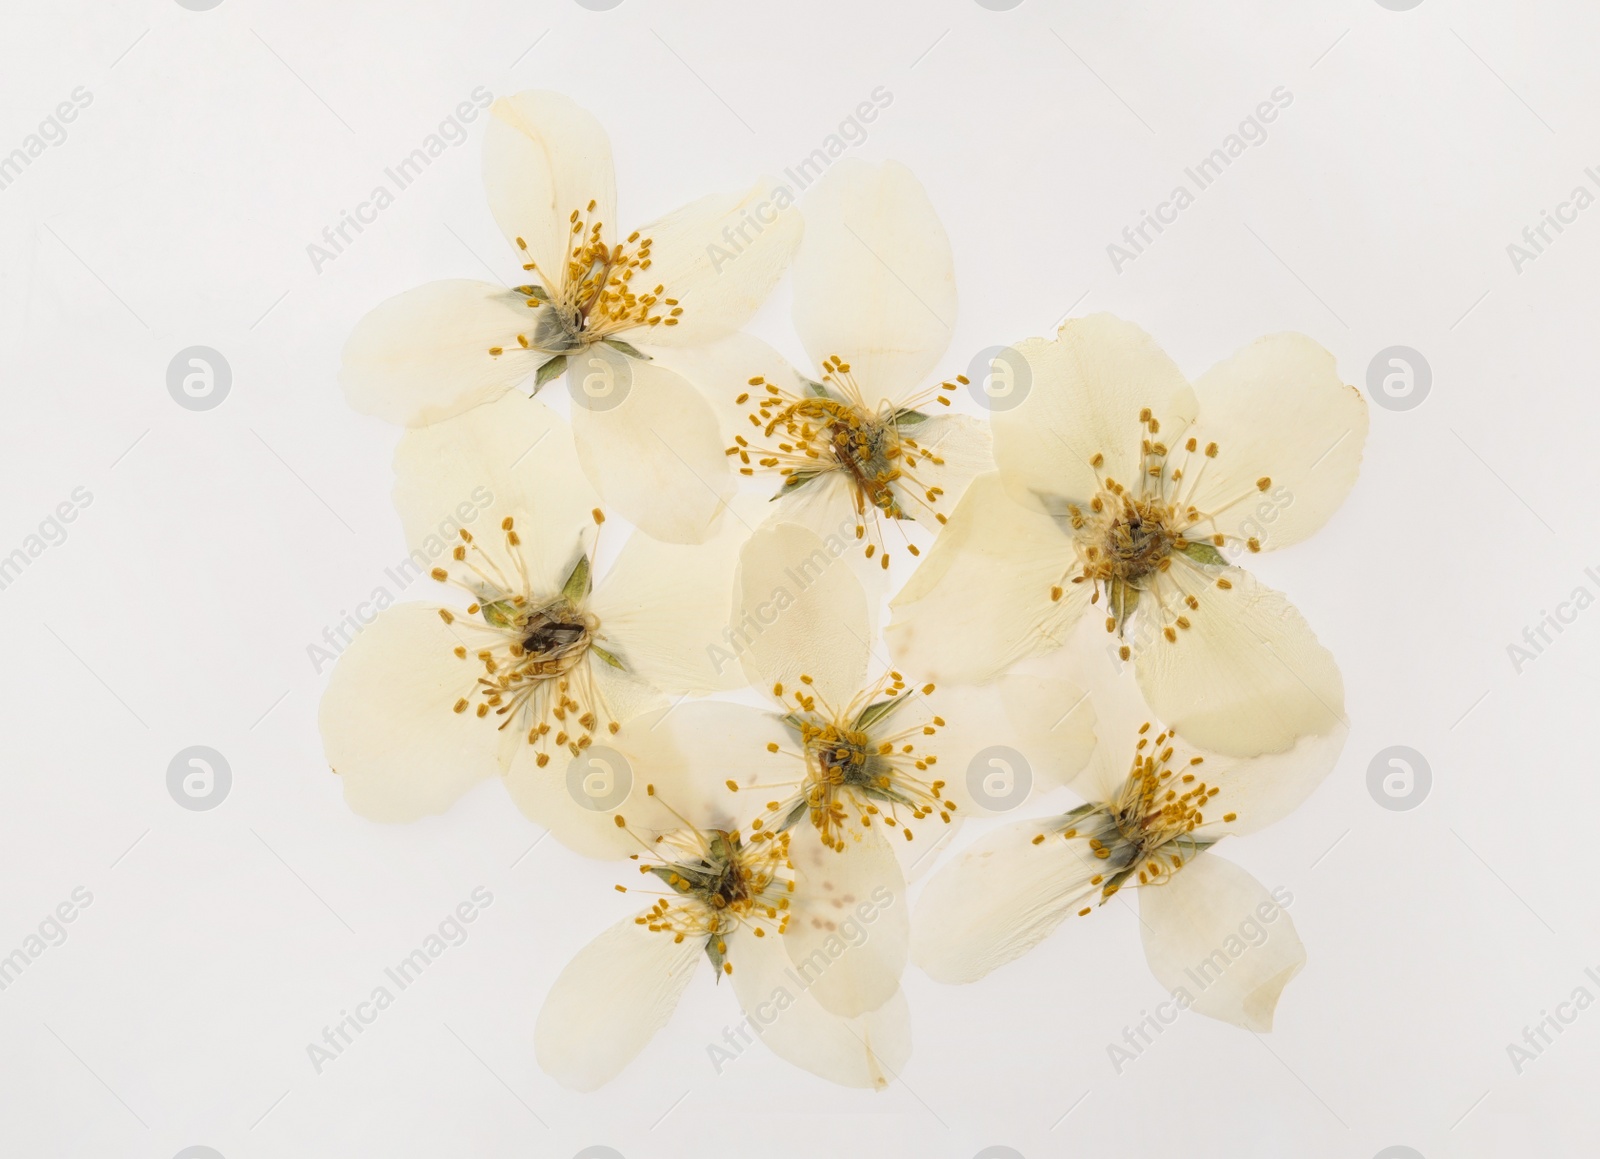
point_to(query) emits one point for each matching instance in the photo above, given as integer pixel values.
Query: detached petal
(874, 282)
(1085, 391)
(513, 457)
(980, 600)
(1248, 677)
(657, 454)
(719, 257)
(543, 158)
(867, 1051)
(609, 1002)
(1278, 410)
(388, 723)
(801, 612)
(848, 924)
(998, 899)
(951, 451)
(423, 356)
(1213, 933)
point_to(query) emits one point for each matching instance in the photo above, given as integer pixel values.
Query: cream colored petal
(1257, 791)
(719, 257)
(608, 1003)
(423, 356)
(848, 923)
(1279, 411)
(1053, 725)
(1211, 931)
(980, 599)
(867, 1051)
(957, 450)
(801, 612)
(874, 281)
(657, 455)
(666, 610)
(387, 723)
(1085, 391)
(513, 457)
(998, 899)
(722, 370)
(718, 742)
(543, 158)
(1248, 676)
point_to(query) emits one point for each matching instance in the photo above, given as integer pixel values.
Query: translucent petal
(1086, 389)
(423, 356)
(962, 445)
(1278, 410)
(1213, 933)
(1248, 676)
(387, 723)
(543, 158)
(980, 599)
(874, 282)
(609, 1002)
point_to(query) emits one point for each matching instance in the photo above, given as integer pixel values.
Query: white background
(219, 544)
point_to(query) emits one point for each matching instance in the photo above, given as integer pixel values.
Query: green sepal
(716, 955)
(795, 813)
(817, 389)
(622, 347)
(537, 293)
(1203, 552)
(548, 370)
(793, 482)
(909, 418)
(501, 613)
(873, 713)
(608, 657)
(577, 585)
(1121, 600)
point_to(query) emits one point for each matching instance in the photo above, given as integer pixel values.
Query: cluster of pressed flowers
(1074, 606)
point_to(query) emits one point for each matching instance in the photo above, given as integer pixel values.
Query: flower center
(827, 428)
(533, 650)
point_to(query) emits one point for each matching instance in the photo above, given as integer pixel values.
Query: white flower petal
(1258, 791)
(1054, 726)
(668, 608)
(387, 723)
(1086, 389)
(867, 1051)
(1248, 677)
(980, 599)
(513, 457)
(723, 370)
(874, 282)
(657, 456)
(609, 1002)
(998, 899)
(848, 924)
(543, 157)
(962, 445)
(1212, 931)
(423, 356)
(801, 613)
(719, 257)
(1278, 410)
(717, 742)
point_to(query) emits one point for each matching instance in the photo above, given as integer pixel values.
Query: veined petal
(1277, 410)
(848, 924)
(874, 281)
(723, 370)
(1248, 676)
(980, 600)
(513, 457)
(609, 1002)
(717, 742)
(1086, 389)
(1257, 791)
(1212, 931)
(657, 455)
(956, 449)
(543, 158)
(719, 257)
(1053, 723)
(998, 899)
(669, 608)
(387, 719)
(801, 612)
(867, 1051)
(424, 355)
